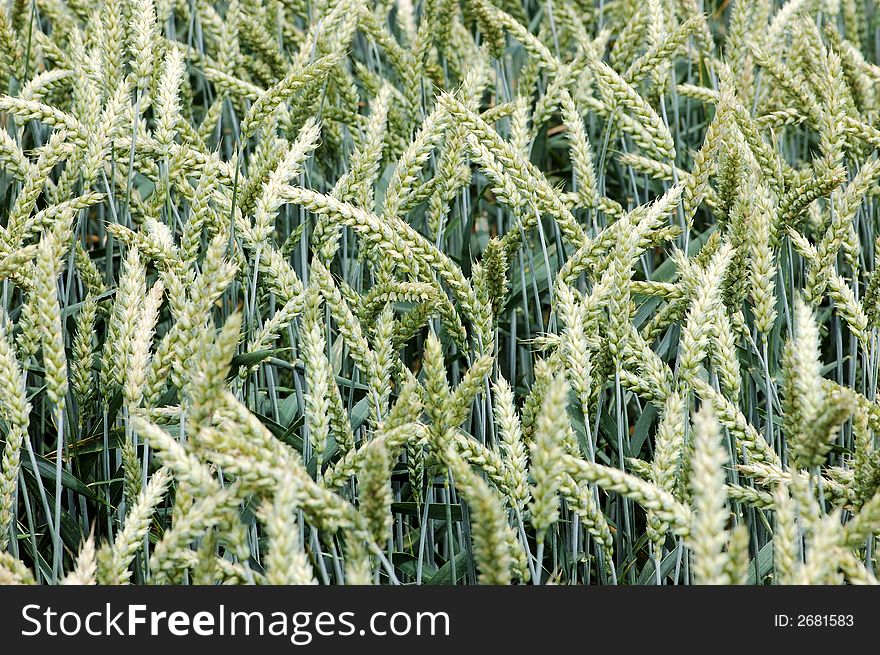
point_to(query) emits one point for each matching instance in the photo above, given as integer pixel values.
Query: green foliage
(351, 292)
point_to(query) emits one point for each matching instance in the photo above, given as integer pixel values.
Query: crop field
(419, 292)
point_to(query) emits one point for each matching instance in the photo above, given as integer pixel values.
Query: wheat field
(439, 292)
